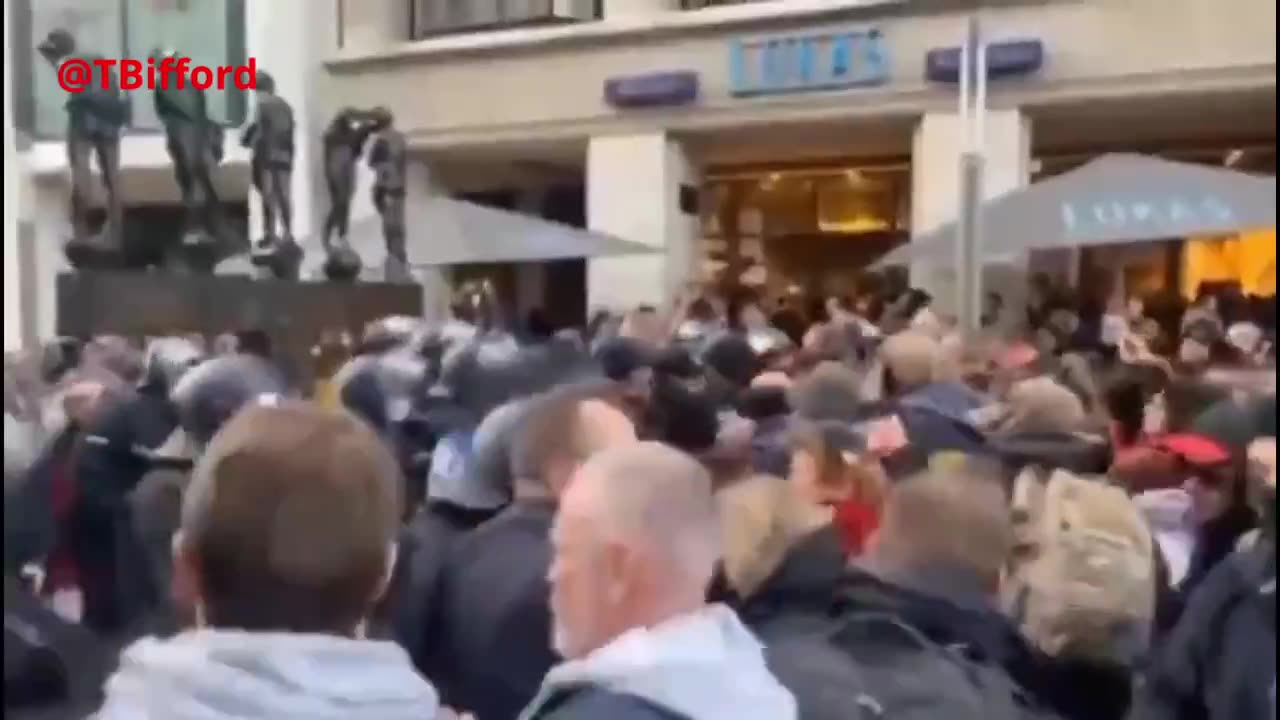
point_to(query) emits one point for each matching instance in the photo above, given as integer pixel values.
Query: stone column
(935, 195)
(13, 304)
(633, 192)
(49, 223)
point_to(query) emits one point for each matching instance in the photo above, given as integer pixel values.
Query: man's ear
(186, 588)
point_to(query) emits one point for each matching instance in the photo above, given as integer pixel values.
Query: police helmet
(211, 393)
(167, 360)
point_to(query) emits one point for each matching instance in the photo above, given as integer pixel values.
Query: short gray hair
(653, 493)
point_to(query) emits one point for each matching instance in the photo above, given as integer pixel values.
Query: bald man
(635, 544)
(490, 644)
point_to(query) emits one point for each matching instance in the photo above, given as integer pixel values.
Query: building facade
(720, 89)
(655, 110)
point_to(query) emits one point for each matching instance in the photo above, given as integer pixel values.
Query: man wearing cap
(1219, 663)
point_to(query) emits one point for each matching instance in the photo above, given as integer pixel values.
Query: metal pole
(972, 161)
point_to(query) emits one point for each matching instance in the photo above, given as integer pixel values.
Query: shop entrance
(800, 212)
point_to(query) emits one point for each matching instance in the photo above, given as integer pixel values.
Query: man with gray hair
(489, 640)
(635, 544)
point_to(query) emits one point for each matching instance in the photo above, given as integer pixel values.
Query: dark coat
(1054, 451)
(413, 598)
(110, 464)
(30, 526)
(791, 614)
(145, 550)
(1220, 661)
(953, 616)
(492, 630)
(594, 703)
(53, 670)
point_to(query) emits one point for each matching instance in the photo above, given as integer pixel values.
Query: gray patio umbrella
(1116, 198)
(445, 231)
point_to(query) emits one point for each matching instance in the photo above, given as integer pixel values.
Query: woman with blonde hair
(782, 562)
(829, 469)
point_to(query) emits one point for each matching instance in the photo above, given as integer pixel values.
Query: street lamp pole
(973, 112)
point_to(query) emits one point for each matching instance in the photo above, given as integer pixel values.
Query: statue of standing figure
(270, 138)
(344, 142)
(194, 143)
(388, 158)
(95, 118)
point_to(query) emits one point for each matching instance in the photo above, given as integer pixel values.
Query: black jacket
(30, 528)
(792, 615)
(110, 464)
(53, 670)
(592, 703)
(113, 460)
(1220, 661)
(492, 630)
(1056, 451)
(413, 597)
(956, 617)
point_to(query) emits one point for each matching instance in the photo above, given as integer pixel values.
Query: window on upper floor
(444, 17)
(210, 32)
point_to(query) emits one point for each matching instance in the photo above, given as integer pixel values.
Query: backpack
(914, 678)
(1081, 582)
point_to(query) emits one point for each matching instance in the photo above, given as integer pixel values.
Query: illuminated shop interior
(811, 228)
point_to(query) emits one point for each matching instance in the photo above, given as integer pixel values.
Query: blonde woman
(782, 564)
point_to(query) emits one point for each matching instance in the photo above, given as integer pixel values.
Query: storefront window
(209, 31)
(97, 26)
(442, 17)
(186, 26)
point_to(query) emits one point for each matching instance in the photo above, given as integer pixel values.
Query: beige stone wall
(540, 84)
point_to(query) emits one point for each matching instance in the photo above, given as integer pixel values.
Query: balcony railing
(432, 18)
(210, 32)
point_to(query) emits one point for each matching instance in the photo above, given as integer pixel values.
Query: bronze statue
(387, 157)
(344, 141)
(194, 143)
(270, 138)
(95, 118)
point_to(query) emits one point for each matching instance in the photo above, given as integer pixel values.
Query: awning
(1116, 198)
(445, 231)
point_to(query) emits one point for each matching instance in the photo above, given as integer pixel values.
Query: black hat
(620, 357)
(213, 392)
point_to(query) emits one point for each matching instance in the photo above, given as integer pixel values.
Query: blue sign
(1140, 215)
(828, 61)
(660, 89)
(1004, 59)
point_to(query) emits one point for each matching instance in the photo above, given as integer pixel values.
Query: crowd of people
(717, 510)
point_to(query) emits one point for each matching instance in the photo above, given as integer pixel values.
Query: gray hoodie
(704, 666)
(225, 675)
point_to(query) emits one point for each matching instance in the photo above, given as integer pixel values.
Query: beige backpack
(1081, 582)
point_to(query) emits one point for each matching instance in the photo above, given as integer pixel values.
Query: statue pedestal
(279, 258)
(293, 314)
(93, 252)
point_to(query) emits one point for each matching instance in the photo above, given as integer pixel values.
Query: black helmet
(167, 360)
(383, 389)
(214, 391)
(59, 357)
(389, 332)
